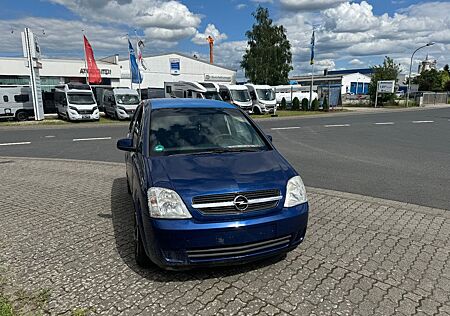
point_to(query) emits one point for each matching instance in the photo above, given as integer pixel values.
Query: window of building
(21, 98)
(5, 98)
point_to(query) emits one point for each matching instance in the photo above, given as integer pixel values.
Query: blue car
(208, 186)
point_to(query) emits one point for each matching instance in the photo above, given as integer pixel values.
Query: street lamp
(410, 68)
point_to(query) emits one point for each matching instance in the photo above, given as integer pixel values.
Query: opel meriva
(208, 186)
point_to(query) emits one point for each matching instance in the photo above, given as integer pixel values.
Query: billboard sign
(386, 86)
(174, 66)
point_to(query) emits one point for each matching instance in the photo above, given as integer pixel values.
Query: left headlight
(295, 192)
(166, 203)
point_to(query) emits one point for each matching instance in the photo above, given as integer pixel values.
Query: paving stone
(71, 232)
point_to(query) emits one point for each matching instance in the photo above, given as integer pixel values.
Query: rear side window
(21, 98)
(5, 98)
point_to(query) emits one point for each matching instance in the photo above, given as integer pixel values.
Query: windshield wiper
(228, 150)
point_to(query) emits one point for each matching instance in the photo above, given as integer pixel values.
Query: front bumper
(188, 243)
(75, 116)
(124, 115)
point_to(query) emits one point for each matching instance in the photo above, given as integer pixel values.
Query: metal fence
(433, 98)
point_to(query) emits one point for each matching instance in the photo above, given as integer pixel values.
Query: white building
(13, 71)
(175, 67)
(355, 83)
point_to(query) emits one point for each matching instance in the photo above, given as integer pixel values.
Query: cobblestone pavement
(66, 227)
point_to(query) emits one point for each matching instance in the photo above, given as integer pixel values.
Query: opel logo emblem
(240, 203)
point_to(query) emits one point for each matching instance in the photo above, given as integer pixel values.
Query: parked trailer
(16, 102)
(290, 92)
(237, 95)
(76, 102)
(192, 89)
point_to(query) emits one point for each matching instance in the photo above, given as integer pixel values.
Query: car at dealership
(120, 103)
(208, 186)
(76, 102)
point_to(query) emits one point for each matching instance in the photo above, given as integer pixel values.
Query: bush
(296, 104)
(283, 104)
(305, 104)
(315, 105)
(325, 105)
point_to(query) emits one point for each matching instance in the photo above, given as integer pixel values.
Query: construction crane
(211, 49)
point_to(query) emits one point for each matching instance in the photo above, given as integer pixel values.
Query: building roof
(185, 56)
(363, 71)
(188, 103)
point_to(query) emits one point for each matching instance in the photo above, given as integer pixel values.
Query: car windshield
(81, 98)
(265, 94)
(127, 99)
(240, 95)
(202, 131)
(212, 96)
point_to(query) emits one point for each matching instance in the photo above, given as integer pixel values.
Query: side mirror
(269, 137)
(125, 144)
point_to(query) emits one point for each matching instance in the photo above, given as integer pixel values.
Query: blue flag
(134, 68)
(313, 43)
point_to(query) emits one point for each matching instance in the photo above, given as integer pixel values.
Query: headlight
(166, 203)
(121, 108)
(95, 108)
(73, 108)
(295, 192)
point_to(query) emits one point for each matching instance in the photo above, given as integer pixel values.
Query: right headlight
(295, 192)
(166, 203)
(121, 108)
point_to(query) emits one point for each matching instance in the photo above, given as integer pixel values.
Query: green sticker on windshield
(159, 148)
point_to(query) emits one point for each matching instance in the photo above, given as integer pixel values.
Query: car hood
(194, 175)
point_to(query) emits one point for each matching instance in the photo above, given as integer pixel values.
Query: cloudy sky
(351, 34)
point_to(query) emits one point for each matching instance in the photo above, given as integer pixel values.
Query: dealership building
(116, 73)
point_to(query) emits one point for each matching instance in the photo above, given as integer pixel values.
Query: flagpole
(85, 58)
(129, 61)
(313, 39)
(139, 71)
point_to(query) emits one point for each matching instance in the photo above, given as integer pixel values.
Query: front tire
(21, 116)
(256, 110)
(139, 251)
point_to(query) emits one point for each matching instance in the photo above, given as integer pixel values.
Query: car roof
(188, 103)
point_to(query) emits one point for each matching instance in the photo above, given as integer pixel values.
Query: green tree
(295, 104)
(429, 80)
(268, 57)
(389, 70)
(305, 104)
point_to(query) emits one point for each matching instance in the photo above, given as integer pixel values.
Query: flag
(134, 67)
(93, 71)
(313, 43)
(140, 46)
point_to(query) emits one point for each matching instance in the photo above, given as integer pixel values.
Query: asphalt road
(402, 156)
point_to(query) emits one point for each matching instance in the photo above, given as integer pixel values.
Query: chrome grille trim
(225, 204)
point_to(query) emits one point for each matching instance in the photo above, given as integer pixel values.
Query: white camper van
(290, 92)
(192, 89)
(263, 98)
(16, 102)
(76, 102)
(120, 103)
(237, 95)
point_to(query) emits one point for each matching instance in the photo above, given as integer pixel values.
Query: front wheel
(21, 116)
(139, 251)
(256, 110)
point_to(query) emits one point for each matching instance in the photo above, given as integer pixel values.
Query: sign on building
(32, 52)
(174, 66)
(218, 78)
(386, 86)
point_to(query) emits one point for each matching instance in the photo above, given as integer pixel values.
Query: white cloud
(210, 30)
(356, 62)
(310, 5)
(240, 6)
(160, 20)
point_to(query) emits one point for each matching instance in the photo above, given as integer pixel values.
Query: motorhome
(237, 95)
(76, 102)
(192, 89)
(290, 92)
(16, 102)
(263, 98)
(120, 103)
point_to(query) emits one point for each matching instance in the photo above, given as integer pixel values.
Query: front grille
(238, 250)
(85, 111)
(223, 203)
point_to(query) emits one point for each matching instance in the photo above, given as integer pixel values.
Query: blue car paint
(167, 240)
